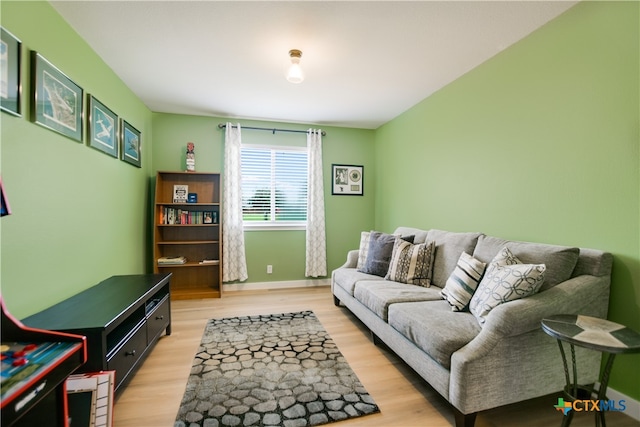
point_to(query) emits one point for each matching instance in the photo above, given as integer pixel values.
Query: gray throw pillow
(379, 255)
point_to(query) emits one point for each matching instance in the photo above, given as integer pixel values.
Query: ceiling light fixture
(295, 73)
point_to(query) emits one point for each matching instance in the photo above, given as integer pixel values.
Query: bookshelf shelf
(189, 264)
(191, 230)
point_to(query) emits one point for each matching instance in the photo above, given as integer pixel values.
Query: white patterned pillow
(363, 250)
(505, 281)
(463, 281)
(411, 264)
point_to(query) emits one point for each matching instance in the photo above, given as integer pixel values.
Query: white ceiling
(365, 61)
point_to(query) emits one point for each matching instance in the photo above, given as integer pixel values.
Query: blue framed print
(58, 102)
(131, 150)
(103, 128)
(10, 82)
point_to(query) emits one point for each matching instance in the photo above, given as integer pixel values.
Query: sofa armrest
(512, 337)
(588, 295)
(352, 259)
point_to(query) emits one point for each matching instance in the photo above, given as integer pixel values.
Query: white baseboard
(266, 286)
(632, 406)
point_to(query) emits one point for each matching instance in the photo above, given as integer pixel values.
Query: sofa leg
(336, 301)
(376, 341)
(464, 420)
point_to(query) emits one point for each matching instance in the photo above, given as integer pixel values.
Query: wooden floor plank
(152, 398)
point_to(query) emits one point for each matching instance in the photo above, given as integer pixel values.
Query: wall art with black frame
(57, 102)
(10, 67)
(103, 128)
(347, 180)
(131, 150)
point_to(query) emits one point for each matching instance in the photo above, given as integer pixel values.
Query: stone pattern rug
(270, 370)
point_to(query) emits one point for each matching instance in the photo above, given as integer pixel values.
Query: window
(274, 187)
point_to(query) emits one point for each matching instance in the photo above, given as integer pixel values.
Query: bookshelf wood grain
(180, 231)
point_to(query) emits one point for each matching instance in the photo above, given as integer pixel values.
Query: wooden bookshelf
(181, 230)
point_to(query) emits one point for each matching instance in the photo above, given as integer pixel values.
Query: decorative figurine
(191, 157)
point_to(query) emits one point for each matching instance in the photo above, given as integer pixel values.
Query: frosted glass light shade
(294, 72)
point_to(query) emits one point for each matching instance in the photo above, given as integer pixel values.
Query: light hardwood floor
(153, 396)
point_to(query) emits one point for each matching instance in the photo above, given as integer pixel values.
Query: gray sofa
(475, 366)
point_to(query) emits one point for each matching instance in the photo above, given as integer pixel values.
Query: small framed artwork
(131, 150)
(103, 128)
(58, 103)
(10, 83)
(347, 180)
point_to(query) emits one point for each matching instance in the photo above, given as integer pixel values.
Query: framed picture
(103, 128)
(10, 83)
(58, 103)
(347, 180)
(131, 150)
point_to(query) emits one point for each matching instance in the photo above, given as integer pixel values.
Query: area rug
(270, 370)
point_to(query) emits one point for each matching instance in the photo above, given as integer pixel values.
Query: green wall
(346, 216)
(540, 143)
(79, 216)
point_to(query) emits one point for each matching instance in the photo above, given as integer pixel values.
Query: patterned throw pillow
(364, 250)
(463, 281)
(506, 279)
(411, 264)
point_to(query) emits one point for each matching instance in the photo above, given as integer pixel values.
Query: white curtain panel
(234, 262)
(316, 254)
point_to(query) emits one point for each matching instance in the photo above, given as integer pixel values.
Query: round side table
(596, 334)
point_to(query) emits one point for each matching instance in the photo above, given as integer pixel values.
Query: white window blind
(274, 186)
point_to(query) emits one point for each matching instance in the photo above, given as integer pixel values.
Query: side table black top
(592, 332)
(596, 334)
(98, 306)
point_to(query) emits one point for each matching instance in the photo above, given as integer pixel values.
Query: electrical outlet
(269, 269)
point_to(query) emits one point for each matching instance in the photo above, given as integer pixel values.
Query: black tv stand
(122, 318)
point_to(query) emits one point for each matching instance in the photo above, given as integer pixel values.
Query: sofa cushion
(347, 278)
(449, 246)
(559, 260)
(411, 264)
(506, 279)
(463, 281)
(434, 328)
(379, 296)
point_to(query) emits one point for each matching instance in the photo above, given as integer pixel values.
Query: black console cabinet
(122, 318)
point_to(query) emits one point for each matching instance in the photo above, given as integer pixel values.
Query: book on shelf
(180, 193)
(209, 261)
(175, 260)
(175, 216)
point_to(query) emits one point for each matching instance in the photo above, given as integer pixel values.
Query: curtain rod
(272, 130)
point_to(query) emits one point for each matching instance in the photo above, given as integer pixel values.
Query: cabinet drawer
(128, 355)
(158, 320)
